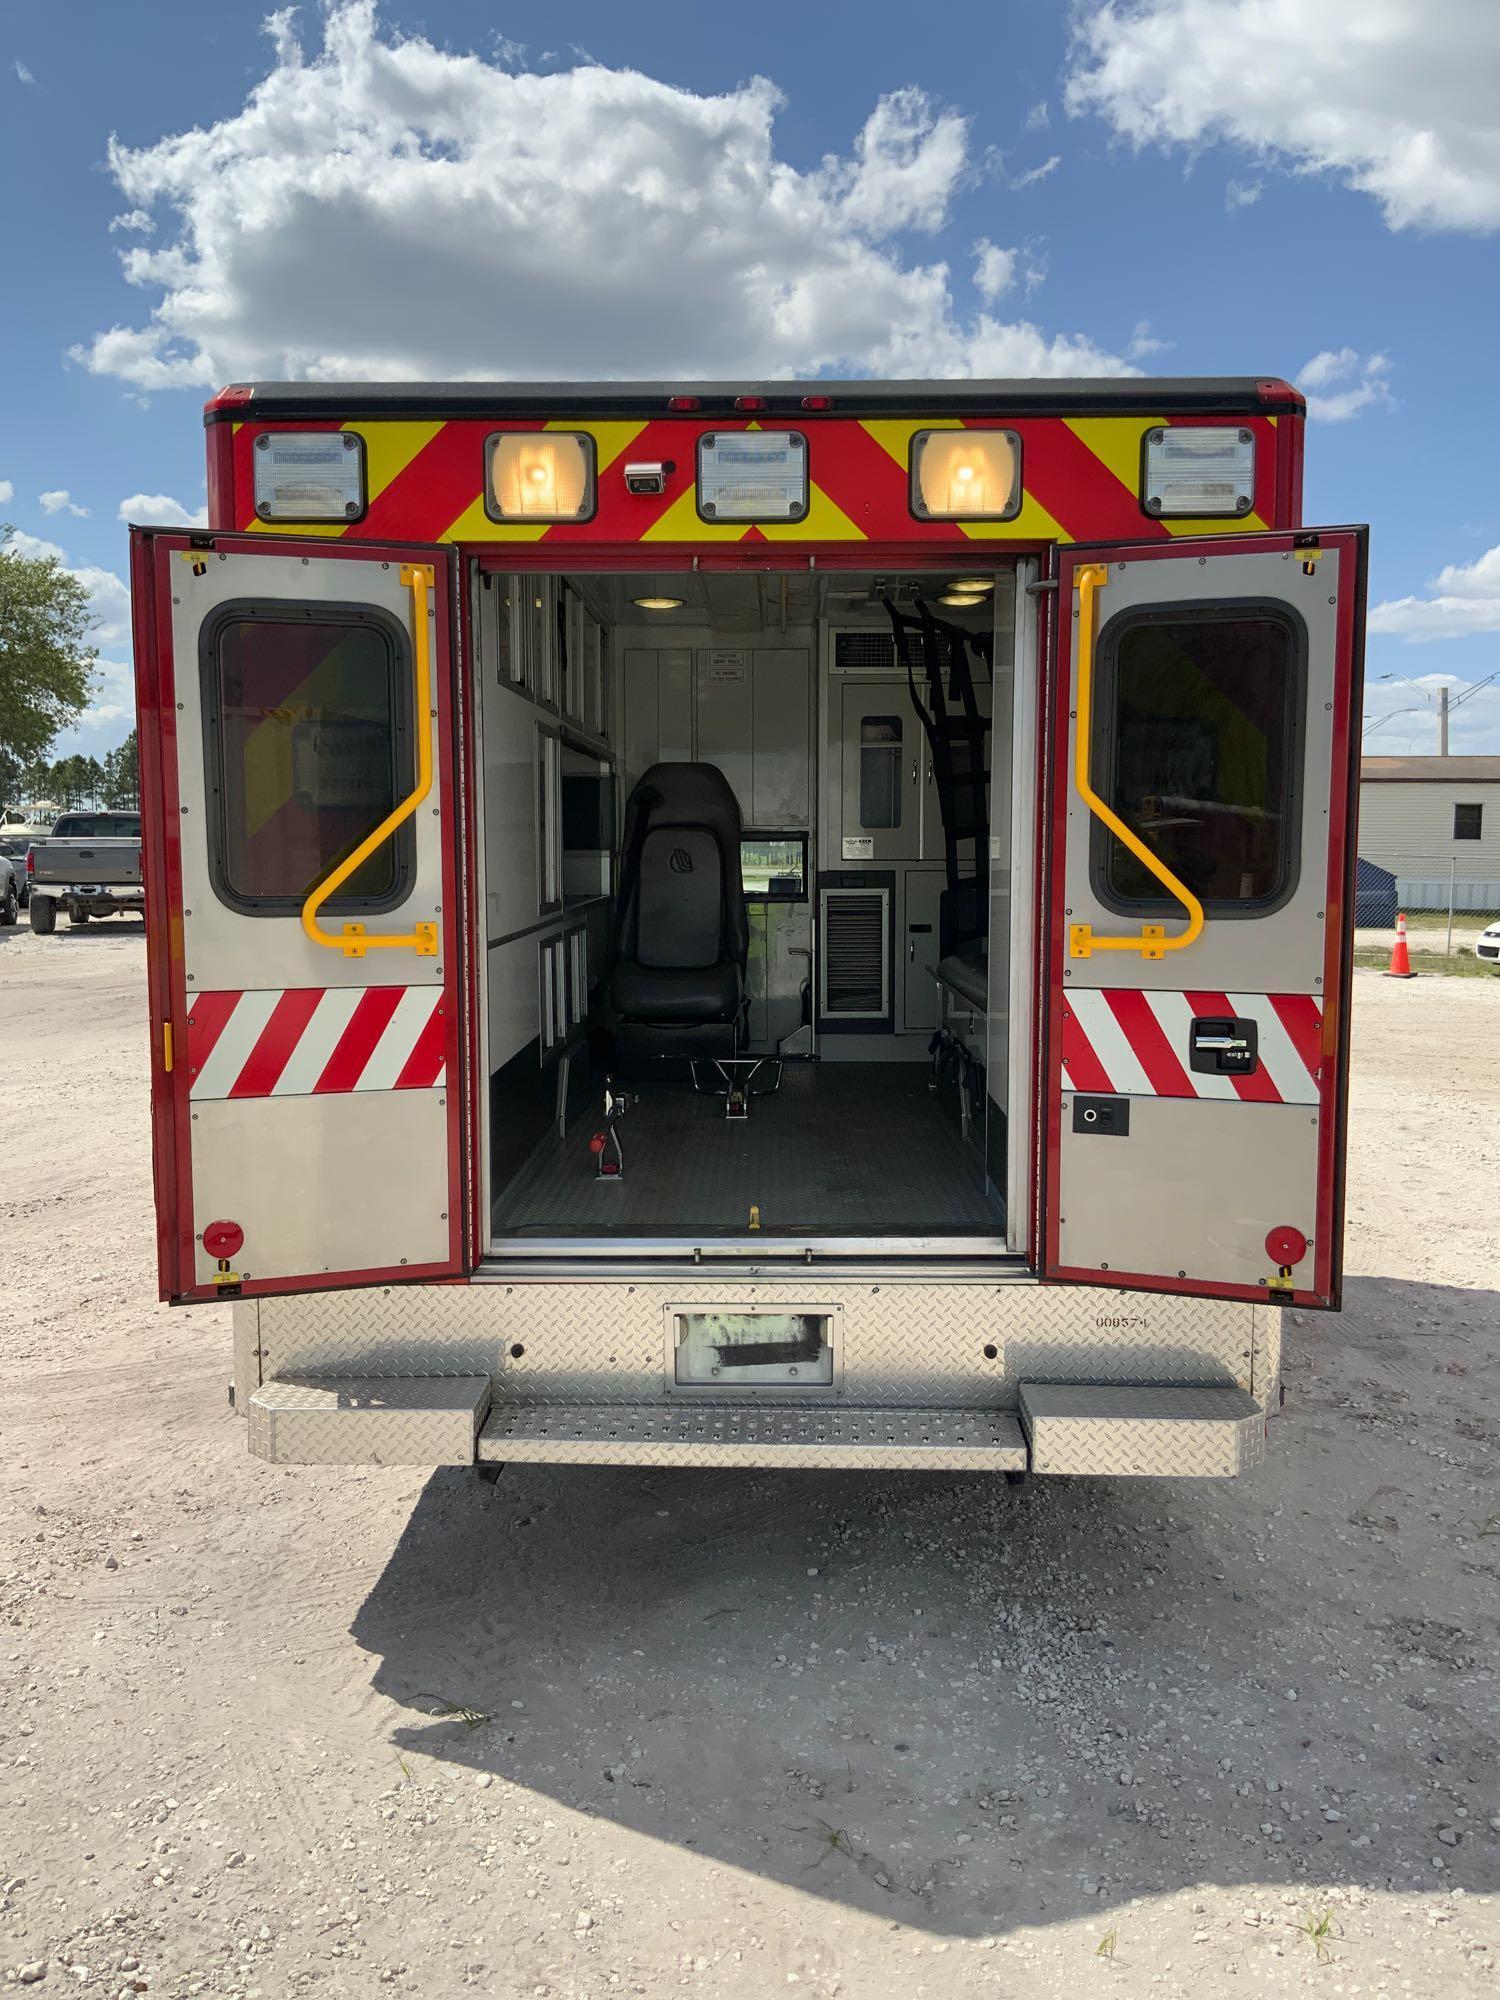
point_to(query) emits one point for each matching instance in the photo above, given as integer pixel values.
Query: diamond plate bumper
(1121, 1432)
(709, 1434)
(368, 1420)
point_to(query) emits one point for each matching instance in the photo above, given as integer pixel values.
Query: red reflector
(223, 1239)
(31, 861)
(684, 402)
(232, 398)
(817, 402)
(751, 403)
(596, 1144)
(1285, 1245)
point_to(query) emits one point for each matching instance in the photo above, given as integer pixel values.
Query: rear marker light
(751, 403)
(232, 398)
(684, 402)
(817, 402)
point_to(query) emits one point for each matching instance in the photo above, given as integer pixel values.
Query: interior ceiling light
(966, 599)
(658, 603)
(973, 583)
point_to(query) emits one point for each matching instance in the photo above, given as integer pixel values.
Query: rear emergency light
(234, 397)
(540, 476)
(309, 476)
(965, 475)
(1199, 471)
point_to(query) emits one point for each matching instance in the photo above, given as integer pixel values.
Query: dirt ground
(269, 1731)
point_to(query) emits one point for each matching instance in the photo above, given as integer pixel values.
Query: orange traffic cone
(1400, 966)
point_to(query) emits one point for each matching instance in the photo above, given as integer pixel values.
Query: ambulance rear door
(297, 780)
(1200, 837)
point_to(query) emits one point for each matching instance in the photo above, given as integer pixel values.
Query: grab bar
(354, 940)
(1083, 940)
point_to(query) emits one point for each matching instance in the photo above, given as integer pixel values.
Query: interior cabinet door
(881, 750)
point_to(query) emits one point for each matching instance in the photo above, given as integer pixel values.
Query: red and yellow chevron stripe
(1080, 478)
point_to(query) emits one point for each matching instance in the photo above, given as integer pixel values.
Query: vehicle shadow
(77, 935)
(974, 1708)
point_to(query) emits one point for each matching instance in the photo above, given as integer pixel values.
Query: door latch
(1222, 1046)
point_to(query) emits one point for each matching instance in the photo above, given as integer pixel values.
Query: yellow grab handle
(355, 940)
(1152, 940)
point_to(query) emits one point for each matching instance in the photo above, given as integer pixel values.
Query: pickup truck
(89, 866)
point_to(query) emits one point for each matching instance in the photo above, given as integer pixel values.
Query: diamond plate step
(1122, 1432)
(779, 1436)
(368, 1419)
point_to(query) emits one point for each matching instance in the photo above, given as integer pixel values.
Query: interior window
(773, 867)
(880, 770)
(309, 751)
(1199, 724)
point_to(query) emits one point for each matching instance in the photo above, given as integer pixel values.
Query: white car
(1487, 945)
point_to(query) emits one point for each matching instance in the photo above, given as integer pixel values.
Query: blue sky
(1176, 186)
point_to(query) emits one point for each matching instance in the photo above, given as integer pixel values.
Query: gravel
(273, 1732)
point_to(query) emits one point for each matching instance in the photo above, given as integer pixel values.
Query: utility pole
(1442, 695)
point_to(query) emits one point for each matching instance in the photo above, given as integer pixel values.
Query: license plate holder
(781, 1349)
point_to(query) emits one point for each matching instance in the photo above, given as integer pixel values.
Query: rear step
(368, 1419)
(711, 1434)
(1126, 1432)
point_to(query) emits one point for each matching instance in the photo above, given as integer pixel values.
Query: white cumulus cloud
(1340, 383)
(1464, 599)
(1399, 99)
(160, 510)
(23, 74)
(994, 269)
(59, 501)
(382, 207)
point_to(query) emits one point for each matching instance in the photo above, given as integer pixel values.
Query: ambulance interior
(747, 901)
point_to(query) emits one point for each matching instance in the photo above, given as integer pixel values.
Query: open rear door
(296, 730)
(1203, 755)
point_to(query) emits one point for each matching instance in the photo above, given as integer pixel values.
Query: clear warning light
(309, 475)
(1199, 470)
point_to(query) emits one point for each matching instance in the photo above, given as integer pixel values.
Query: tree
(45, 657)
(122, 777)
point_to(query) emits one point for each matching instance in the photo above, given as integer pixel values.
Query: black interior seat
(681, 932)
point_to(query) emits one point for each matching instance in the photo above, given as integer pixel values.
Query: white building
(1432, 821)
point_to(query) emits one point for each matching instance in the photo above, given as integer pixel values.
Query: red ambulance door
(296, 727)
(1203, 758)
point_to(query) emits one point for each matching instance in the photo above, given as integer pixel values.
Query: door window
(880, 770)
(1198, 751)
(308, 742)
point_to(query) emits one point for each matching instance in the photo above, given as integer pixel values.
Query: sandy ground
(731, 1733)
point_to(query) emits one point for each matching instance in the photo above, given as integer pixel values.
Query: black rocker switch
(1222, 1046)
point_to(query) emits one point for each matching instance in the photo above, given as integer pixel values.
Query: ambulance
(752, 923)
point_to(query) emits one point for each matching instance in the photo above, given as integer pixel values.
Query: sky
(201, 195)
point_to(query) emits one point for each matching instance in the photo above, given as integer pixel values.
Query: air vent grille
(867, 651)
(856, 957)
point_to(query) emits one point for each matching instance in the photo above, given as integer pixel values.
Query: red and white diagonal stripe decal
(312, 1041)
(1134, 1044)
